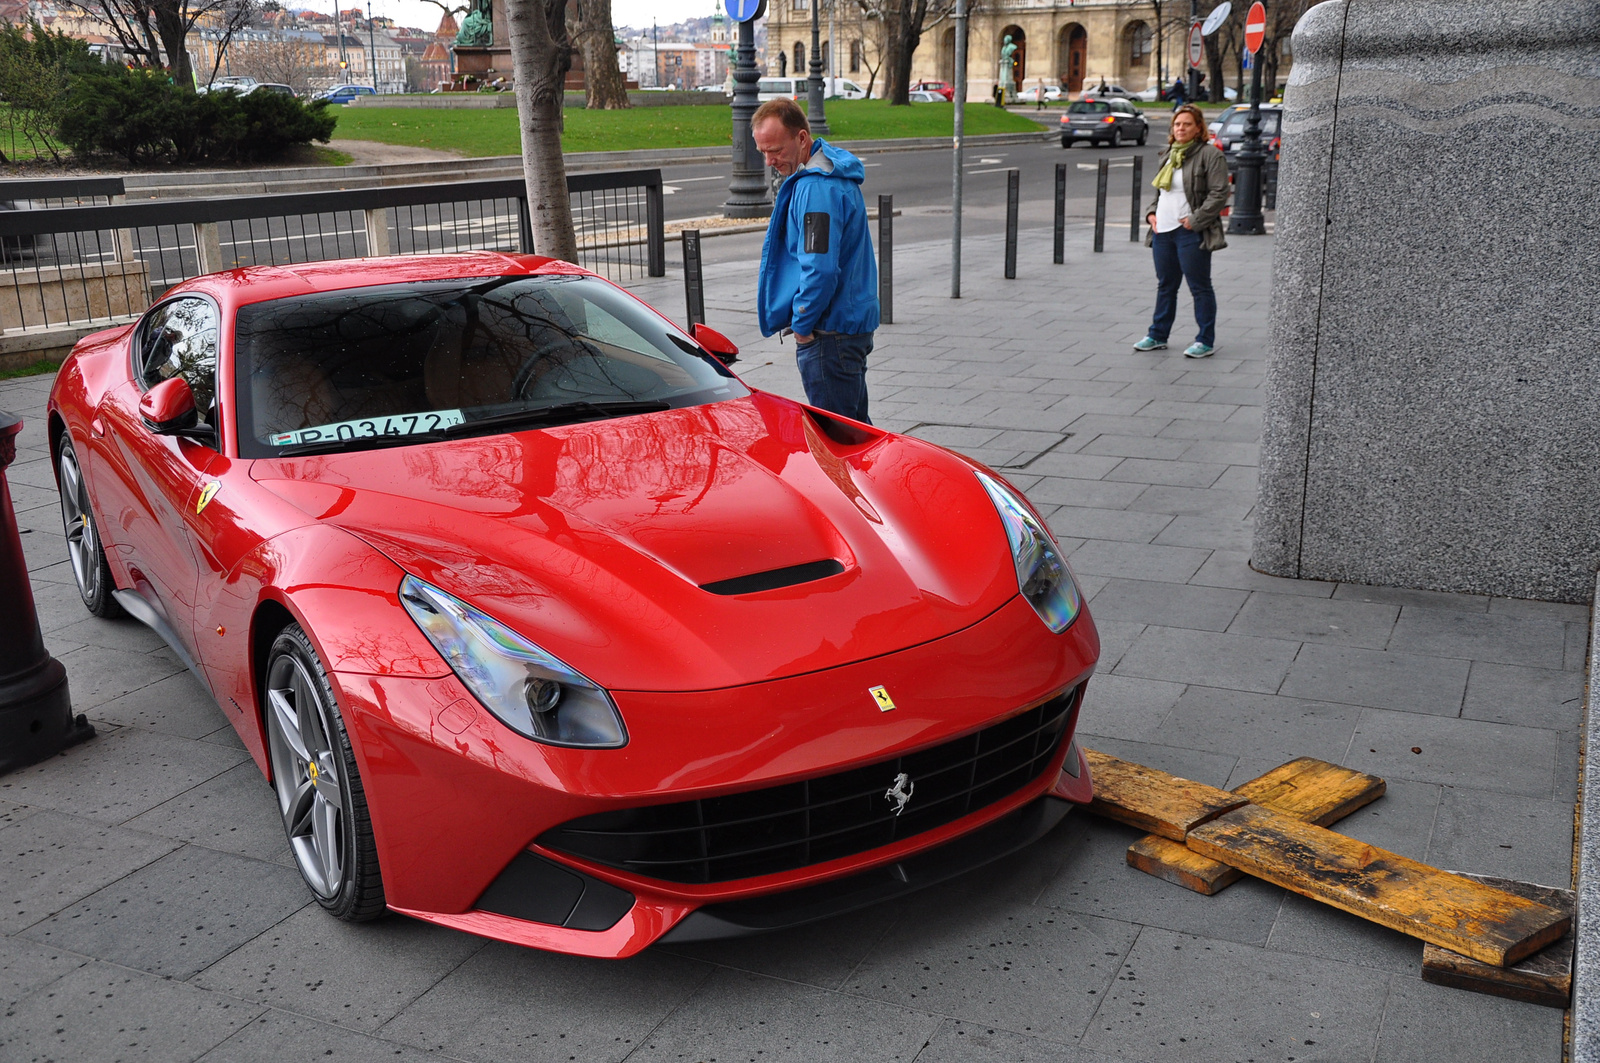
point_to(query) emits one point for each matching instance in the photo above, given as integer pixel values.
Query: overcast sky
(623, 12)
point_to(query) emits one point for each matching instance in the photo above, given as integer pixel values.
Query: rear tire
(1066, 142)
(1144, 134)
(1116, 138)
(314, 776)
(90, 570)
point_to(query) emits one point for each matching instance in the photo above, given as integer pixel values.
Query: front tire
(1116, 138)
(1066, 142)
(90, 570)
(320, 797)
(1144, 134)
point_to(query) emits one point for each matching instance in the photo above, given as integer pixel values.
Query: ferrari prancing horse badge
(207, 493)
(881, 696)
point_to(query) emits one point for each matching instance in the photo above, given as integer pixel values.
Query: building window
(1140, 42)
(802, 5)
(799, 58)
(855, 57)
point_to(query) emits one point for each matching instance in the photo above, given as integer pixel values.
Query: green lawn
(494, 132)
(43, 366)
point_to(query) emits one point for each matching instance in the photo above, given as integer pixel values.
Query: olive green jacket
(1205, 186)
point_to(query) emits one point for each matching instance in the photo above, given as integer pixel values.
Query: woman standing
(1185, 219)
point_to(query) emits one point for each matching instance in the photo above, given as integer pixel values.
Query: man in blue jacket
(818, 275)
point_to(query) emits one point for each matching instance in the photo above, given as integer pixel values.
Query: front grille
(781, 828)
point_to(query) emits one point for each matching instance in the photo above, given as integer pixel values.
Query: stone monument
(1432, 402)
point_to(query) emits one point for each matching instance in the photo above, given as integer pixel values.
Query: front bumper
(456, 798)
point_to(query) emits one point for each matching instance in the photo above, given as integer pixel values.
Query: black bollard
(1061, 213)
(1100, 207)
(694, 284)
(36, 719)
(1134, 221)
(886, 260)
(1013, 197)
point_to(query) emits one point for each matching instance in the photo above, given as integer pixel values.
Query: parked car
(345, 93)
(1103, 122)
(235, 83)
(1229, 139)
(924, 96)
(542, 625)
(272, 86)
(780, 87)
(1106, 92)
(843, 89)
(1031, 95)
(943, 88)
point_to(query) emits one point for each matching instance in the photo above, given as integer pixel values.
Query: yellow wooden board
(1306, 788)
(1386, 888)
(1151, 799)
(1543, 978)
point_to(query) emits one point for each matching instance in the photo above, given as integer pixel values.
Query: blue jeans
(1180, 257)
(833, 367)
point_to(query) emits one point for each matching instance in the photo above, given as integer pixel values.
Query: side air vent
(775, 578)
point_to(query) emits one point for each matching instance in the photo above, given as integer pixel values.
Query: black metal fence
(69, 265)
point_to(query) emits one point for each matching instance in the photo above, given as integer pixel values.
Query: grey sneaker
(1198, 350)
(1150, 343)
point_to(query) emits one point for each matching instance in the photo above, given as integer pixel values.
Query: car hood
(595, 540)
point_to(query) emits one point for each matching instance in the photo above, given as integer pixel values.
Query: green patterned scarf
(1174, 162)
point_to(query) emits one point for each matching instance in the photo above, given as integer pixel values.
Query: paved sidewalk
(150, 911)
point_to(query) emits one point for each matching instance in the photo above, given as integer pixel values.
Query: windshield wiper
(561, 413)
(331, 446)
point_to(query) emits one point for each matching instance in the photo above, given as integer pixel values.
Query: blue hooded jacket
(819, 272)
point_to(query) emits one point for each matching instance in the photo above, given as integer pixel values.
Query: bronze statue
(477, 29)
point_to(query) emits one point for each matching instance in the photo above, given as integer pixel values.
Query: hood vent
(772, 579)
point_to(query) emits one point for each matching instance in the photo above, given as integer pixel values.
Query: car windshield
(1089, 107)
(376, 366)
(1234, 126)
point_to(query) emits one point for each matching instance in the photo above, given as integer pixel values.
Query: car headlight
(1042, 573)
(525, 688)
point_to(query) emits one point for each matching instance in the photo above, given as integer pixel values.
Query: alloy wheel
(83, 544)
(306, 774)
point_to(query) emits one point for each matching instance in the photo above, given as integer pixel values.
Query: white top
(1172, 206)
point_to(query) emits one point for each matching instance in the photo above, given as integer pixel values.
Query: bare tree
(902, 22)
(235, 16)
(541, 55)
(280, 59)
(596, 37)
(153, 31)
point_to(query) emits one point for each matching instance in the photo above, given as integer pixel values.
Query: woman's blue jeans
(833, 367)
(1180, 257)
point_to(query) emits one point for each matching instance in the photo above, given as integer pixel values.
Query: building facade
(1071, 43)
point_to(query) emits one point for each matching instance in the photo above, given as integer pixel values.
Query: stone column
(1432, 402)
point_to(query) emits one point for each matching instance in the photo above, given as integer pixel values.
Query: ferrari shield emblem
(207, 493)
(881, 696)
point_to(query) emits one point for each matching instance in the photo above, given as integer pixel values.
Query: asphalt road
(920, 183)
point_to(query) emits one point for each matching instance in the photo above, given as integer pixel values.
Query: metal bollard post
(1013, 195)
(886, 260)
(1134, 221)
(1061, 213)
(36, 719)
(1100, 207)
(694, 285)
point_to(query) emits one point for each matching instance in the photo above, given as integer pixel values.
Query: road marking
(686, 180)
(1112, 166)
(667, 190)
(999, 169)
(990, 162)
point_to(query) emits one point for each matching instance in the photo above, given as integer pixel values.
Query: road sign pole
(1194, 71)
(748, 195)
(955, 154)
(1246, 219)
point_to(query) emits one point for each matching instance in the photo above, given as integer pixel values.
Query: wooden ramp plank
(1386, 888)
(1306, 788)
(1543, 978)
(1151, 799)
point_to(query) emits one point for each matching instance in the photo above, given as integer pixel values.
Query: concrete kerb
(326, 178)
(1586, 958)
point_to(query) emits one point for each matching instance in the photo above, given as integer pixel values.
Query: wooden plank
(1543, 978)
(1468, 917)
(1306, 788)
(1152, 799)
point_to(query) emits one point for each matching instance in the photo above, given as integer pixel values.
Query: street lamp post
(814, 112)
(747, 190)
(957, 146)
(372, 48)
(1246, 219)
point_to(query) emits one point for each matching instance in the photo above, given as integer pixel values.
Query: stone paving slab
(150, 908)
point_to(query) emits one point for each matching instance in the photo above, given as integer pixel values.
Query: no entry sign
(1197, 46)
(1255, 27)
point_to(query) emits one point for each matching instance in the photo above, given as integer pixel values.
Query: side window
(180, 339)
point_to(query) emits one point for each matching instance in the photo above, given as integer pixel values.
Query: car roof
(255, 284)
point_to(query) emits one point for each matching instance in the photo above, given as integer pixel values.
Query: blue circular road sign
(745, 10)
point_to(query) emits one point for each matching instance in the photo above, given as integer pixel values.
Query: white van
(799, 89)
